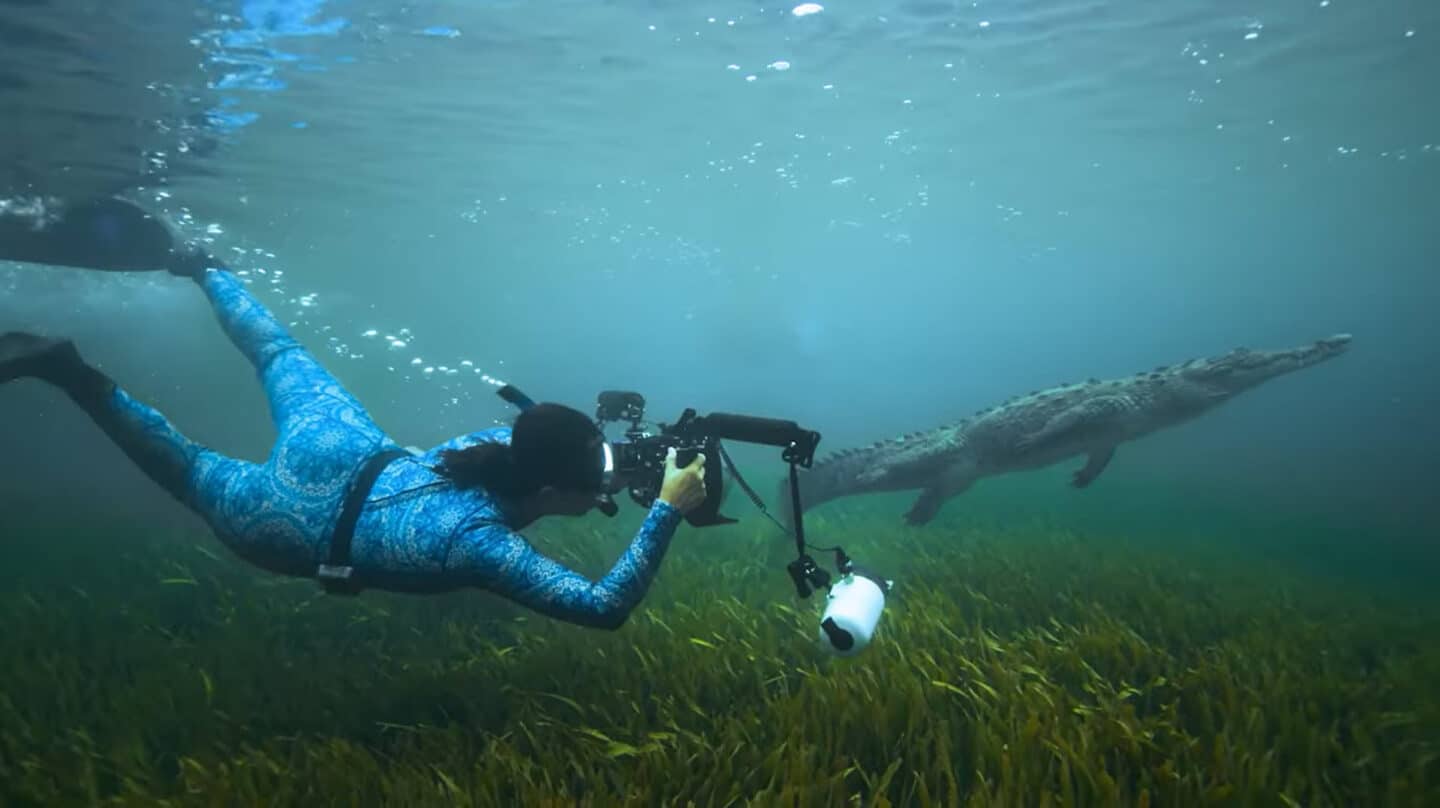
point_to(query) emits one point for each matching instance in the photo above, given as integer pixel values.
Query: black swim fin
(104, 233)
(23, 355)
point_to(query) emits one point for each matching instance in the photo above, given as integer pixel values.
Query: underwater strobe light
(853, 608)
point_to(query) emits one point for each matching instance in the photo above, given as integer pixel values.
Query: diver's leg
(324, 432)
(165, 455)
(238, 500)
(295, 383)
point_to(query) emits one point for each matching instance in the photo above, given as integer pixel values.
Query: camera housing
(854, 604)
(640, 455)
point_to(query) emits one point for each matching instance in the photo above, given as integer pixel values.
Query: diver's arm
(503, 562)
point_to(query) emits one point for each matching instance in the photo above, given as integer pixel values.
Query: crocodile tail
(815, 489)
(785, 502)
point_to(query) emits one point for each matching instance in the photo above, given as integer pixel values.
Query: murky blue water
(871, 218)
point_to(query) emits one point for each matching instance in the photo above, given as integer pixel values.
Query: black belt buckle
(336, 574)
(338, 579)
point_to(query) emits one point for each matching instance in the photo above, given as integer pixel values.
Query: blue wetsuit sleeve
(502, 561)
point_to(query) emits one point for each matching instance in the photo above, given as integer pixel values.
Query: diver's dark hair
(550, 444)
(485, 465)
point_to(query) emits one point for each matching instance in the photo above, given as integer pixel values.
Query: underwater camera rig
(640, 457)
(854, 603)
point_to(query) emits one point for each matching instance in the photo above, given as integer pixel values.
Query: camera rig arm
(799, 444)
(799, 451)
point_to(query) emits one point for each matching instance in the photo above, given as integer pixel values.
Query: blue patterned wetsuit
(416, 531)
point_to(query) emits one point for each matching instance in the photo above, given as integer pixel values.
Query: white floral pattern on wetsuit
(417, 532)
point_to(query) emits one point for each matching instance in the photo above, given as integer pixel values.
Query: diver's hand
(683, 489)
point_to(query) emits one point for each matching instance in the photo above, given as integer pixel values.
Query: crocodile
(1088, 419)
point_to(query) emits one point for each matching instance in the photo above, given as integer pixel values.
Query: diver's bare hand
(683, 489)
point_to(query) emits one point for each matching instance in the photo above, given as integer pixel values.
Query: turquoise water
(872, 219)
(919, 209)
